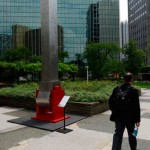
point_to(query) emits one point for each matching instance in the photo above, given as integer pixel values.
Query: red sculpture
(51, 113)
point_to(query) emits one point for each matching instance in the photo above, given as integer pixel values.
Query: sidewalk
(93, 133)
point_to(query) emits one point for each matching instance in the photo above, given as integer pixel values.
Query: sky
(123, 10)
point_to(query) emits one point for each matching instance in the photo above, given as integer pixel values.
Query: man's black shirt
(132, 114)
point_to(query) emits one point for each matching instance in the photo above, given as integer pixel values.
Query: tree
(16, 69)
(18, 54)
(98, 54)
(145, 69)
(62, 55)
(114, 67)
(79, 61)
(134, 58)
(20, 68)
(20, 62)
(67, 68)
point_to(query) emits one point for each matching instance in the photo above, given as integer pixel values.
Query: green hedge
(82, 91)
(92, 91)
(21, 91)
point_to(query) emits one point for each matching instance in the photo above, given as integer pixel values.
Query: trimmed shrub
(21, 91)
(92, 91)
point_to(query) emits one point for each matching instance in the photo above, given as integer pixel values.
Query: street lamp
(87, 73)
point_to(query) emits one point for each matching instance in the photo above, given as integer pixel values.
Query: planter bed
(81, 108)
(88, 109)
(13, 102)
(3, 85)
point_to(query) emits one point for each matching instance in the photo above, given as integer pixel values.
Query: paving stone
(93, 133)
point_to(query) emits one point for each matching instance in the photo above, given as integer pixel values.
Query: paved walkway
(93, 133)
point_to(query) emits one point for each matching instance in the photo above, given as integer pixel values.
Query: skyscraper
(139, 23)
(124, 33)
(17, 17)
(87, 21)
(103, 22)
(20, 19)
(93, 24)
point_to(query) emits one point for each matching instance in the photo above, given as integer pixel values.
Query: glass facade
(79, 22)
(18, 19)
(103, 22)
(86, 21)
(139, 24)
(124, 33)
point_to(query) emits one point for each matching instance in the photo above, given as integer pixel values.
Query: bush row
(80, 91)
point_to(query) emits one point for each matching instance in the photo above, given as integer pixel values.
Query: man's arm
(137, 108)
(111, 99)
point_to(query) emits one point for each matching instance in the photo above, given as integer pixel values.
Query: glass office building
(103, 22)
(18, 18)
(139, 23)
(79, 23)
(86, 21)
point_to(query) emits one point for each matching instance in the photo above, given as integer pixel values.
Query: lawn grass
(142, 84)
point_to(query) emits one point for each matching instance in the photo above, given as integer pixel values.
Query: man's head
(128, 77)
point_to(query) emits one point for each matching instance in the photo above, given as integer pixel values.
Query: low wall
(13, 102)
(81, 108)
(84, 108)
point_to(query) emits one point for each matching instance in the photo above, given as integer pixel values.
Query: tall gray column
(49, 52)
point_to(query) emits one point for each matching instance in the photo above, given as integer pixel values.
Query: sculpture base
(49, 119)
(64, 131)
(50, 112)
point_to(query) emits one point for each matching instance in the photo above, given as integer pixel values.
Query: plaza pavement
(93, 133)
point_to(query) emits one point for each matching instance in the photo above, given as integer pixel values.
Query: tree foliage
(18, 54)
(79, 62)
(67, 68)
(145, 69)
(98, 56)
(62, 55)
(20, 62)
(134, 58)
(113, 66)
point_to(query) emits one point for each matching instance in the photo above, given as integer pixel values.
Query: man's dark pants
(117, 138)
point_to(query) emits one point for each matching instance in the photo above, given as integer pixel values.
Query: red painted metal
(51, 113)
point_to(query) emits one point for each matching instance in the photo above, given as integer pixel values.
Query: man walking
(125, 107)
